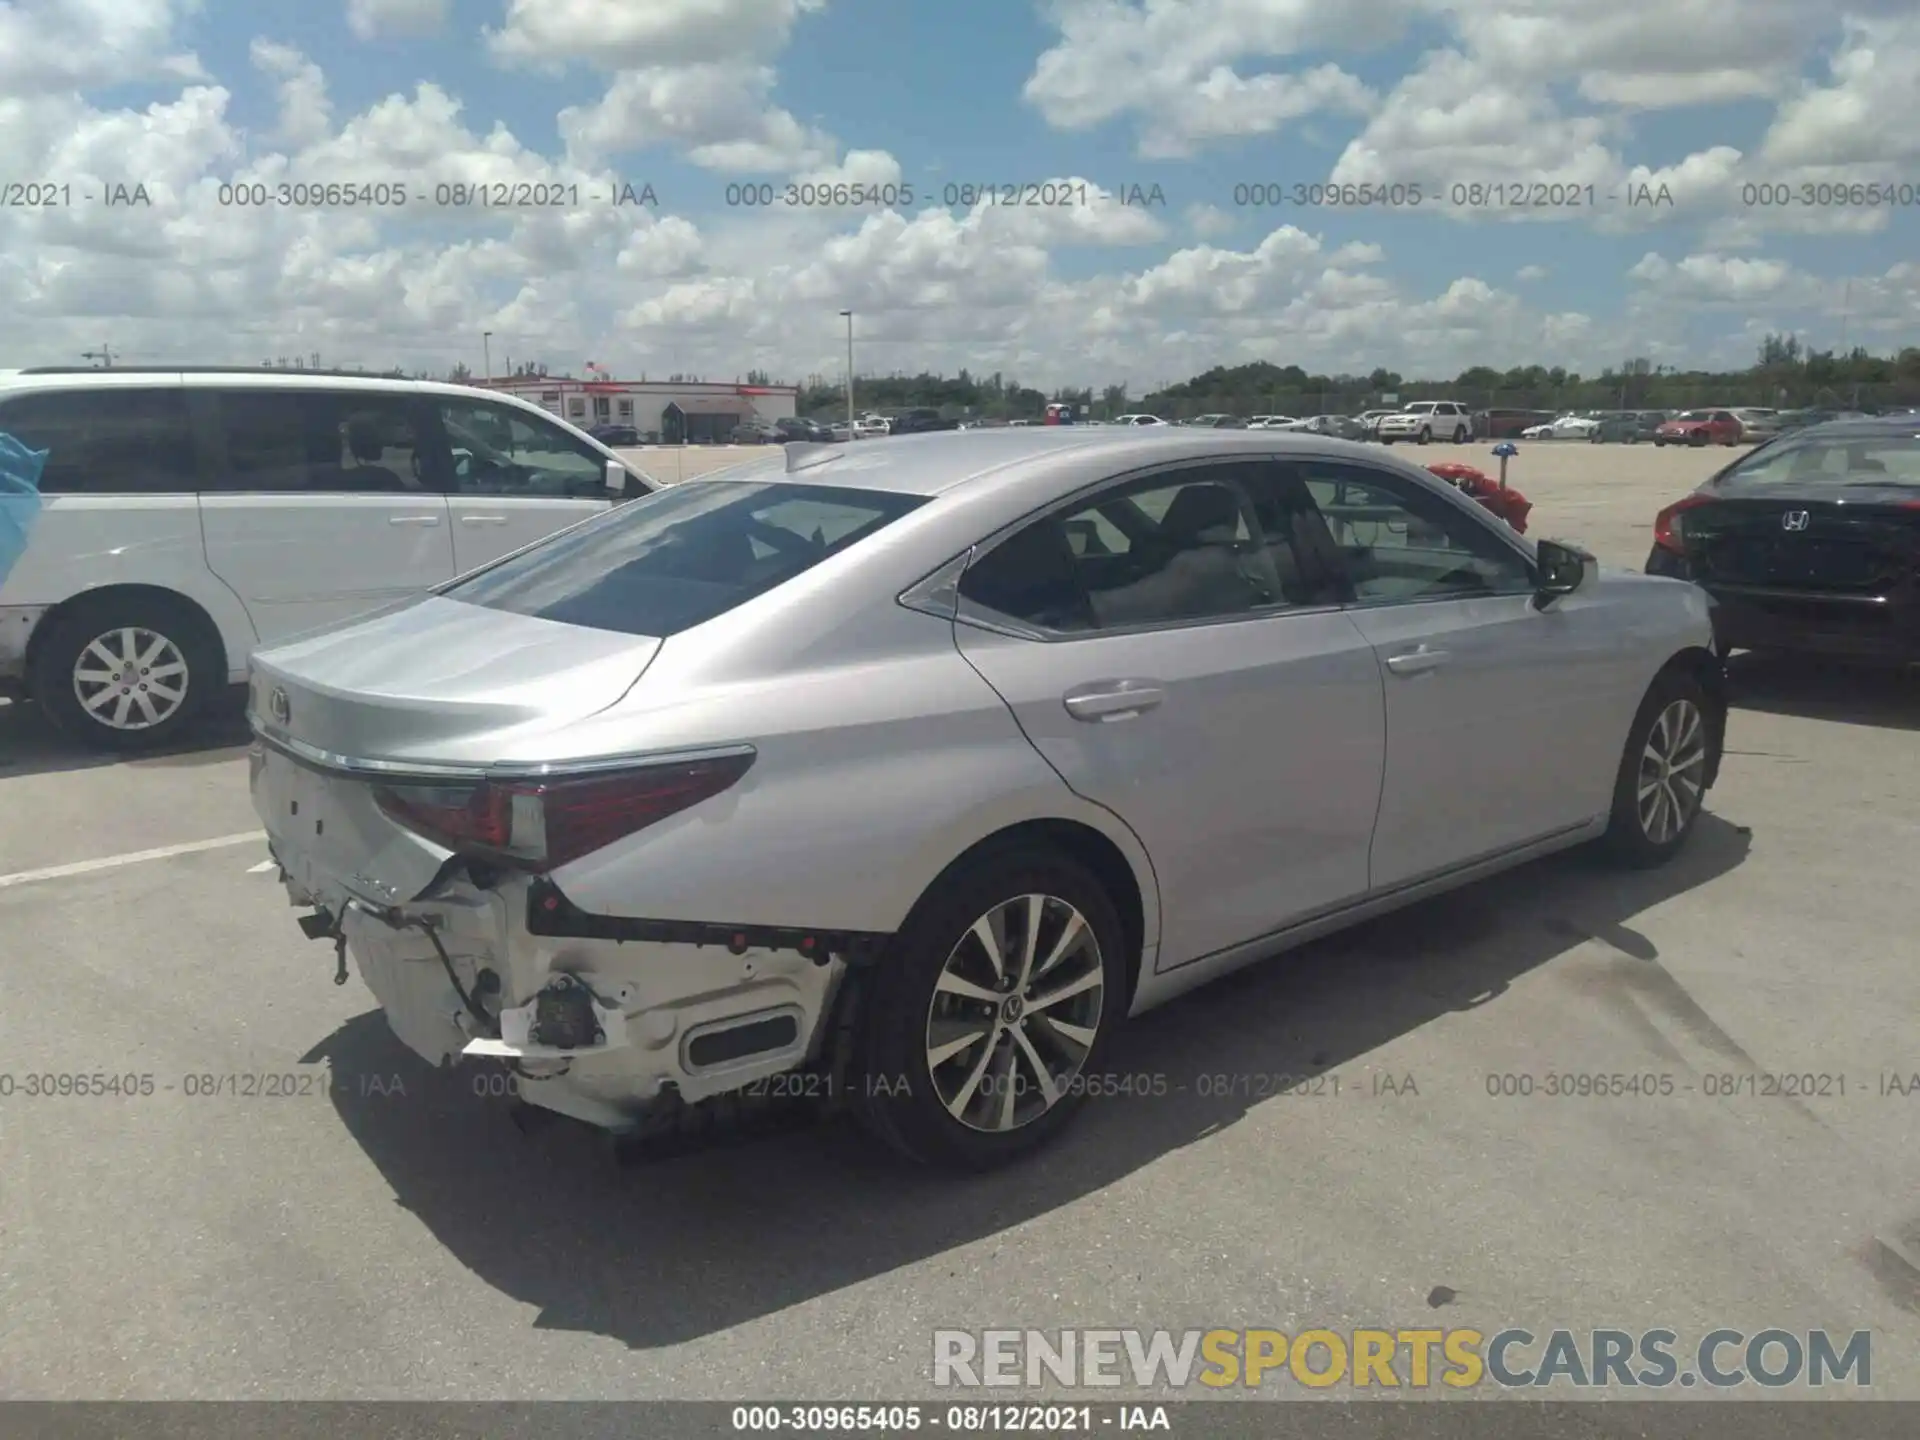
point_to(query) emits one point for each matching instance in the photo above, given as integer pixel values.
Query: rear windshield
(679, 557)
(1843, 460)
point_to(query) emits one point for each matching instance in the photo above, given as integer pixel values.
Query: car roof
(1864, 427)
(62, 377)
(948, 461)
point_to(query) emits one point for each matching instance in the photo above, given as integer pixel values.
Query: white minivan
(190, 516)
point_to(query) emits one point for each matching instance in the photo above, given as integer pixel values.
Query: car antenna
(805, 455)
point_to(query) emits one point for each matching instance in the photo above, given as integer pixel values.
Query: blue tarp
(19, 498)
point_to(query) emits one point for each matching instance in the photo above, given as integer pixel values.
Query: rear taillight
(1669, 530)
(541, 824)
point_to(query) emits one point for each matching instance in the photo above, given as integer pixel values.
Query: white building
(673, 412)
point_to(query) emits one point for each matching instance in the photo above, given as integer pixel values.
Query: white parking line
(114, 862)
(263, 867)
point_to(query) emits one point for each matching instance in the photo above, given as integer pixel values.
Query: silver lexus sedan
(906, 773)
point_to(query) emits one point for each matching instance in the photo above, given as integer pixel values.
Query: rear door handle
(1113, 700)
(483, 519)
(426, 520)
(1417, 661)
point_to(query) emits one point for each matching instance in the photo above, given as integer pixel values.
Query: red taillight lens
(1669, 531)
(543, 824)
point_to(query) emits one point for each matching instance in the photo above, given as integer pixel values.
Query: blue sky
(1195, 99)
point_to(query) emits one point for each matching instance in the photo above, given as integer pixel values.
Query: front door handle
(1417, 661)
(483, 519)
(1113, 700)
(426, 520)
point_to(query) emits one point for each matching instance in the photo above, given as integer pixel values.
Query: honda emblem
(1794, 520)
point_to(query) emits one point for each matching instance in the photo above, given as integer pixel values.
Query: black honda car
(1809, 543)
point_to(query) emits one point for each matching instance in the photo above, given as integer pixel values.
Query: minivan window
(682, 555)
(502, 450)
(107, 441)
(291, 441)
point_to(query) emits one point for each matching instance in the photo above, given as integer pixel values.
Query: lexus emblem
(1794, 520)
(280, 708)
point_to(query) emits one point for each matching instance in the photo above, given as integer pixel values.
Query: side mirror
(1561, 569)
(616, 478)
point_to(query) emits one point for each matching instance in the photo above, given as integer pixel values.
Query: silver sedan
(904, 774)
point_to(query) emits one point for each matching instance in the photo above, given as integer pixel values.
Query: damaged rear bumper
(603, 1019)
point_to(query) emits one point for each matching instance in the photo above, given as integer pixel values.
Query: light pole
(848, 316)
(486, 353)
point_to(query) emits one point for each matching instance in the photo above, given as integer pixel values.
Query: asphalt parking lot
(389, 1234)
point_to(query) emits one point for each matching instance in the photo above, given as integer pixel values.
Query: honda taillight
(1669, 530)
(541, 824)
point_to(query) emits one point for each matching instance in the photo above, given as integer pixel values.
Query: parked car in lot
(1370, 422)
(1758, 423)
(1340, 427)
(810, 432)
(615, 434)
(190, 516)
(1698, 428)
(1566, 427)
(1627, 427)
(1810, 543)
(567, 812)
(1139, 420)
(919, 422)
(1272, 422)
(871, 427)
(1427, 420)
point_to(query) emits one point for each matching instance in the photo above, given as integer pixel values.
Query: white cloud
(720, 115)
(1714, 279)
(1869, 112)
(1210, 222)
(306, 115)
(633, 34)
(1172, 65)
(1531, 274)
(380, 19)
(52, 46)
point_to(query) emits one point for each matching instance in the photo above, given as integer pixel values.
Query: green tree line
(1784, 375)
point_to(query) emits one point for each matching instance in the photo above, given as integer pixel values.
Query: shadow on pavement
(31, 746)
(684, 1247)
(1816, 689)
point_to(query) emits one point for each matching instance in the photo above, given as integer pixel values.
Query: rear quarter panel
(871, 777)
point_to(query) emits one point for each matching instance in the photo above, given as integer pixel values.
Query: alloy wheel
(1015, 1013)
(131, 679)
(1672, 767)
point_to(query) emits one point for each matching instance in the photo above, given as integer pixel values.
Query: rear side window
(683, 555)
(281, 441)
(107, 441)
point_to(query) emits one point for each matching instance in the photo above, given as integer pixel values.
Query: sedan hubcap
(1015, 1013)
(1672, 768)
(130, 679)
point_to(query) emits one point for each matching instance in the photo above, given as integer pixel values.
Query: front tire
(1662, 782)
(993, 1006)
(1426, 436)
(126, 674)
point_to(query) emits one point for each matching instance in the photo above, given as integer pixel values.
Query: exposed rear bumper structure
(606, 1020)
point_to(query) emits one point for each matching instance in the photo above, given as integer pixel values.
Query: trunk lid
(439, 681)
(1862, 544)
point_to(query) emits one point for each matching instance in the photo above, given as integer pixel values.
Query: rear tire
(1660, 788)
(936, 987)
(127, 674)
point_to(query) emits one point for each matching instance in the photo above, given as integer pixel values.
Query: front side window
(502, 450)
(1399, 542)
(284, 441)
(1206, 542)
(107, 441)
(683, 555)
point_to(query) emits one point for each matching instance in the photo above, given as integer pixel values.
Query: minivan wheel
(991, 1010)
(1661, 784)
(125, 674)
